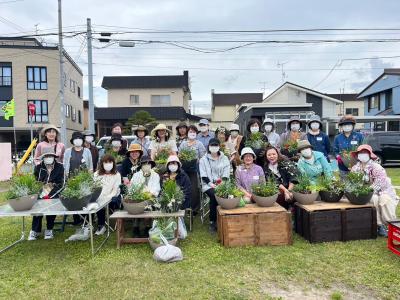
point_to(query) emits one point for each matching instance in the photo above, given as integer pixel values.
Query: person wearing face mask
(318, 139)
(176, 173)
(193, 144)
(89, 137)
(51, 173)
(161, 139)
(228, 148)
(50, 138)
(115, 148)
(346, 141)
(237, 141)
(384, 199)
(181, 133)
(290, 137)
(214, 167)
(205, 134)
(131, 164)
(269, 131)
(147, 176)
(313, 164)
(77, 156)
(256, 140)
(248, 173)
(284, 172)
(142, 139)
(117, 129)
(110, 180)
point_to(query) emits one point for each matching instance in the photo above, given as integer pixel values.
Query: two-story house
(382, 98)
(29, 72)
(167, 98)
(351, 105)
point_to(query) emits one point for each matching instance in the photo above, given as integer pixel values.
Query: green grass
(55, 269)
(394, 174)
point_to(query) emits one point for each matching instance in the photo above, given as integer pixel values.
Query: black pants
(101, 214)
(195, 196)
(37, 223)
(213, 205)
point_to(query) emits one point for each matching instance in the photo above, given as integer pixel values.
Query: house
(29, 72)
(287, 100)
(351, 105)
(224, 106)
(382, 98)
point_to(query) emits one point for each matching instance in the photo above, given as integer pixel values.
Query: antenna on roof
(281, 65)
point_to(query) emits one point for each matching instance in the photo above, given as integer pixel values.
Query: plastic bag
(162, 227)
(182, 232)
(167, 253)
(242, 202)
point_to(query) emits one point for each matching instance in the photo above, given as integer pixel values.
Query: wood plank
(320, 205)
(122, 214)
(251, 209)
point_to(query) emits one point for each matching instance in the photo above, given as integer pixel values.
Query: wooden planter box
(254, 225)
(341, 221)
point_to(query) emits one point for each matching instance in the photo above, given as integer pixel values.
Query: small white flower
(172, 200)
(230, 197)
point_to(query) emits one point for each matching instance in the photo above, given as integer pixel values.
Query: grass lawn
(55, 269)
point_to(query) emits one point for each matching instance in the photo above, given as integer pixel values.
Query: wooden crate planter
(341, 221)
(254, 225)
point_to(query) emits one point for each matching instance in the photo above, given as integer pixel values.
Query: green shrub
(304, 185)
(227, 189)
(356, 185)
(23, 185)
(136, 194)
(80, 185)
(265, 189)
(332, 185)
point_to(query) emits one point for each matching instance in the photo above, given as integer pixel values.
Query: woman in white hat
(162, 140)
(50, 135)
(248, 173)
(269, 131)
(237, 141)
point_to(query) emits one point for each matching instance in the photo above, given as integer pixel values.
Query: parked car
(386, 145)
(103, 140)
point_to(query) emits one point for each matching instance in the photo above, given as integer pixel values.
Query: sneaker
(382, 231)
(213, 227)
(33, 236)
(48, 235)
(101, 230)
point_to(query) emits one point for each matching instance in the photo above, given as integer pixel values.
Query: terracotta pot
(135, 208)
(305, 198)
(265, 201)
(227, 203)
(359, 200)
(330, 196)
(23, 203)
(96, 194)
(154, 245)
(75, 203)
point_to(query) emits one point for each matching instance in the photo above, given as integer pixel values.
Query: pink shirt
(60, 149)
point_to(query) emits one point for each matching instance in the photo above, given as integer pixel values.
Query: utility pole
(61, 92)
(281, 65)
(90, 74)
(264, 83)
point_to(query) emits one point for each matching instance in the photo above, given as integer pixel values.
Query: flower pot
(359, 200)
(135, 208)
(265, 201)
(228, 203)
(330, 196)
(96, 194)
(75, 203)
(23, 203)
(154, 245)
(305, 198)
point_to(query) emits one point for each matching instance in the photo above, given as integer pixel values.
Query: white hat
(247, 150)
(234, 127)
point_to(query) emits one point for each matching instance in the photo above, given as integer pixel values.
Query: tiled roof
(236, 99)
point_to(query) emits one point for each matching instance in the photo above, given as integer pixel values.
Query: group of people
(225, 154)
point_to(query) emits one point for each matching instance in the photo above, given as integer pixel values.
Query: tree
(140, 117)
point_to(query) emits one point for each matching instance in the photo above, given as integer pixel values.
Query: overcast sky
(248, 69)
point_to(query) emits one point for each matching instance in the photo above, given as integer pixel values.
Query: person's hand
(288, 195)
(126, 181)
(213, 186)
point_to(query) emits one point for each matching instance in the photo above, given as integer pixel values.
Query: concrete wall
(226, 113)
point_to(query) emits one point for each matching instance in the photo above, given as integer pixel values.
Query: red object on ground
(393, 242)
(31, 108)
(46, 197)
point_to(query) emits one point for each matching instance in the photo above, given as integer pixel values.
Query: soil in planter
(75, 203)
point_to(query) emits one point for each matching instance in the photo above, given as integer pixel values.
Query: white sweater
(153, 185)
(110, 184)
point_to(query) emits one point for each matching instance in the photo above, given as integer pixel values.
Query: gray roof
(392, 71)
(131, 82)
(236, 98)
(344, 97)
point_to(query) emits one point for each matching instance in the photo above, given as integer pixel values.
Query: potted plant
(78, 190)
(357, 191)
(161, 159)
(171, 197)
(265, 193)
(255, 141)
(330, 189)
(23, 192)
(137, 199)
(305, 192)
(188, 157)
(347, 158)
(228, 195)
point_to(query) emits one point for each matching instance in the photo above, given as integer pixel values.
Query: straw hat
(160, 127)
(303, 144)
(134, 147)
(48, 127)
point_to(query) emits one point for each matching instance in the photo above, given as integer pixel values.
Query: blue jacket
(317, 168)
(342, 142)
(320, 143)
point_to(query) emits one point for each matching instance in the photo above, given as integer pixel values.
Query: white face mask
(203, 128)
(214, 149)
(306, 153)
(108, 166)
(234, 133)
(295, 127)
(314, 125)
(347, 128)
(78, 142)
(363, 157)
(173, 168)
(254, 129)
(268, 128)
(48, 160)
(116, 144)
(89, 139)
(146, 168)
(192, 135)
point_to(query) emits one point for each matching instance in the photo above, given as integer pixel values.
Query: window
(160, 100)
(41, 111)
(379, 126)
(388, 99)
(79, 92)
(79, 117)
(67, 110)
(72, 85)
(394, 126)
(73, 114)
(373, 102)
(134, 100)
(5, 76)
(352, 111)
(37, 78)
